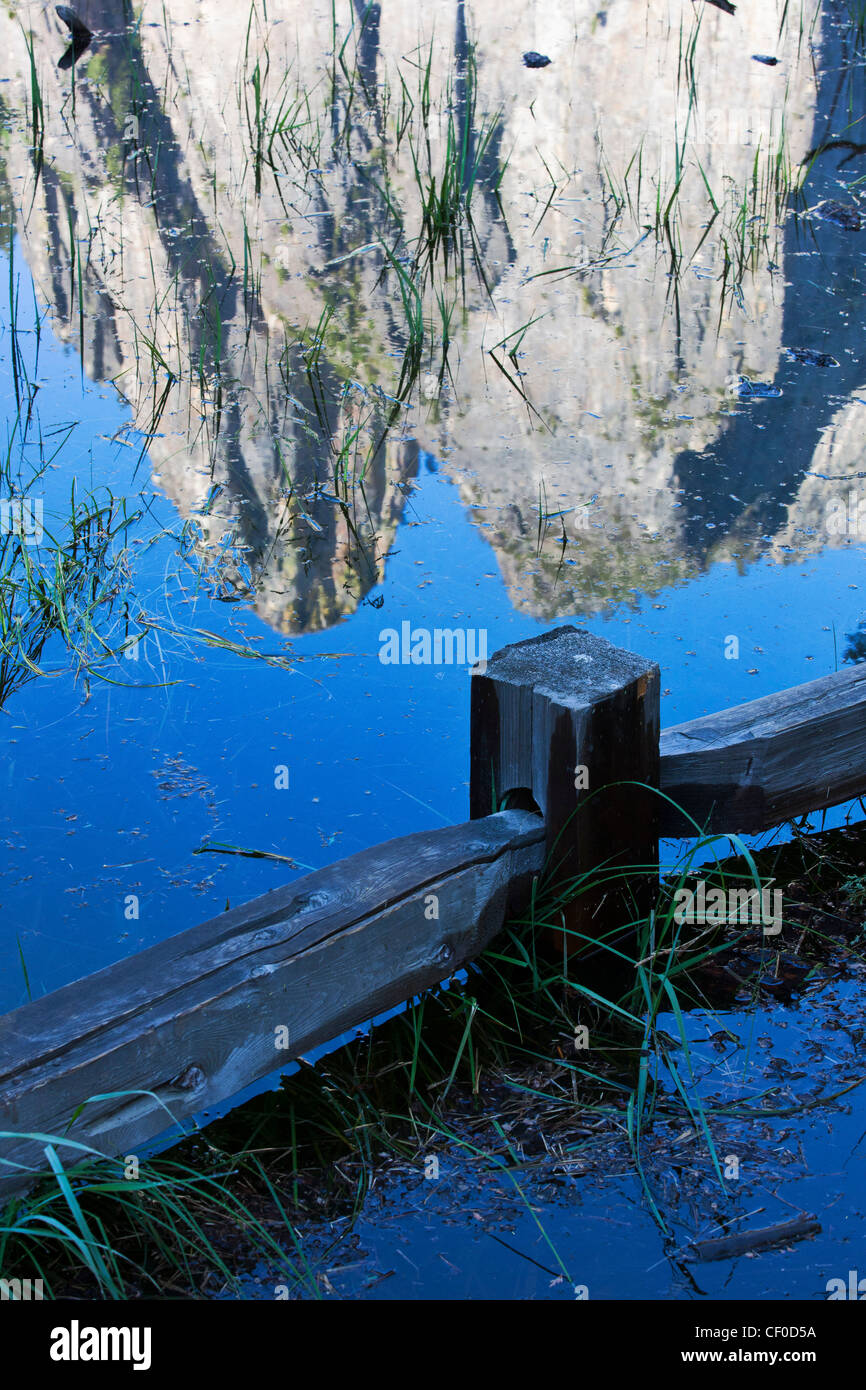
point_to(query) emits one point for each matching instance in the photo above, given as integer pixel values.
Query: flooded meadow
(326, 329)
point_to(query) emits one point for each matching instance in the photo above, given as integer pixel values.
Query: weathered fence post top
(569, 665)
(558, 720)
(539, 700)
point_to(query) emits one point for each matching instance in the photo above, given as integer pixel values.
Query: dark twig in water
(729, 1247)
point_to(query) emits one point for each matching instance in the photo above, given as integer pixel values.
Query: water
(301, 488)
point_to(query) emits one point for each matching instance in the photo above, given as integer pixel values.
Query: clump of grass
(854, 889)
(116, 1229)
(37, 113)
(67, 582)
(275, 120)
(446, 185)
(744, 219)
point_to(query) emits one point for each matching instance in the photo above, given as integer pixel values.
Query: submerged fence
(565, 733)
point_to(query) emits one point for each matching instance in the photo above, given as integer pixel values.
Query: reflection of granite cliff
(830, 505)
(243, 438)
(623, 395)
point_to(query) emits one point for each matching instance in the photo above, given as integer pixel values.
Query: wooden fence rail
(757, 765)
(566, 727)
(196, 1018)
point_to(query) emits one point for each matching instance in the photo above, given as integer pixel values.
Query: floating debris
(74, 23)
(811, 358)
(840, 214)
(765, 58)
(747, 389)
(215, 847)
(729, 1247)
(79, 32)
(536, 60)
(338, 260)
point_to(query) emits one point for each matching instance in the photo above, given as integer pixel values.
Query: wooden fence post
(560, 719)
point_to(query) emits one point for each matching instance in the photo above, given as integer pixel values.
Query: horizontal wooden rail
(198, 1017)
(759, 764)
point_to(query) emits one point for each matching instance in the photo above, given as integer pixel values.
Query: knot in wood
(190, 1079)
